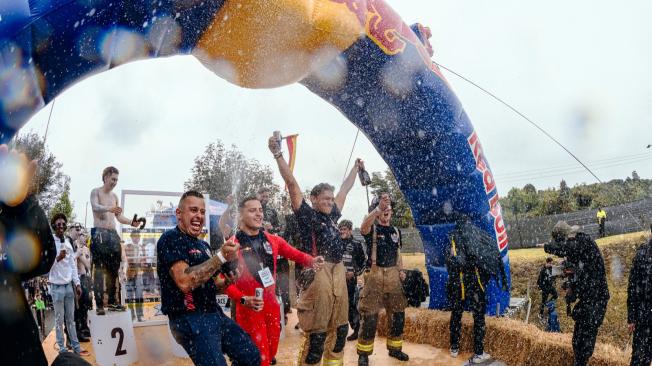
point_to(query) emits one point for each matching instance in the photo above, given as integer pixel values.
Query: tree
(50, 182)
(64, 205)
(402, 216)
(221, 172)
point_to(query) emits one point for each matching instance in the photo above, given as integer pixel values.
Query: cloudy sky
(580, 69)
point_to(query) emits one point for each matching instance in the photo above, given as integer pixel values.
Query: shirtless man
(105, 241)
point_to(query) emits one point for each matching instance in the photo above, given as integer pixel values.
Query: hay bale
(509, 340)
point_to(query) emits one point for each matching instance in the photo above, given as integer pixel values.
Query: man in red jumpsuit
(261, 318)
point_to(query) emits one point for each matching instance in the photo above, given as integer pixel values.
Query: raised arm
(368, 221)
(120, 215)
(296, 197)
(340, 198)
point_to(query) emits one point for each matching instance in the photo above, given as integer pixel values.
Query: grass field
(617, 252)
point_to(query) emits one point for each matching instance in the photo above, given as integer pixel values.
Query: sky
(579, 69)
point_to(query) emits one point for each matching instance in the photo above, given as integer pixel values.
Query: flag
(292, 150)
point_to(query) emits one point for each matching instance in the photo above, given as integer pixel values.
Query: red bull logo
(490, 189)
(386, 29)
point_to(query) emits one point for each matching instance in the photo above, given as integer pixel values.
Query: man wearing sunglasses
(64, 284)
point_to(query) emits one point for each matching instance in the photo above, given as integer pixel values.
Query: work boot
(399, 355)
(363, 360)
(353, 336)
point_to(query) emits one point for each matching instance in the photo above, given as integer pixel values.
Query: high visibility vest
(601, 214)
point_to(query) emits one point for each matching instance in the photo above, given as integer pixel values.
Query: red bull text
(490, 189)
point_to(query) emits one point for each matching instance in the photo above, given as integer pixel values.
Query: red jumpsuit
(264, 326)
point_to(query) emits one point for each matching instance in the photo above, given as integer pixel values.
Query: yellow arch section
(270, 43)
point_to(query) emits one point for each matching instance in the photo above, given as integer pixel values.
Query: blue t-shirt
(322, 228)
(174, 246)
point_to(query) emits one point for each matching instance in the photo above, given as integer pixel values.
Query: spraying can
(365, 179)
(278, 137)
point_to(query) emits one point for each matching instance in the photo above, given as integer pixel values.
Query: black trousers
(106, 251)
(545, 295)
(477, 302)
(283, 283)
(601, 232)
(354, 315)
(85, 304)
(642, 344)
(588, 318)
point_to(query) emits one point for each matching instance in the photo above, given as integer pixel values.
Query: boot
(353, 336)
(363, 360)
(399, 355)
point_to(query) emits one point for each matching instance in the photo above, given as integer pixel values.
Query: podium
(112, 338)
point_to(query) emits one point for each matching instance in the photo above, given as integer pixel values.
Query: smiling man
(189, 285)
(323, 304)
(258, 263)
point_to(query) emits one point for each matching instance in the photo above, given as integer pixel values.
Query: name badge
(266, 277)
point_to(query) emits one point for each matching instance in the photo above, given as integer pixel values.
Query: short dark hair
(549, 259)
(108, 171)
(190, 193)
(345, 223)
(244, 201)
(58, 216)
(321, 187)
(263, 190)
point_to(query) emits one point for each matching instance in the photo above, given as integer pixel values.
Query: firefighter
(323, 304)
(383, 279)
(355, 261)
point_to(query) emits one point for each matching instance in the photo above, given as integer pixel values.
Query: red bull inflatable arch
(358, 55)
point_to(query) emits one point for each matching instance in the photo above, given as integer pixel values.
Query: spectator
(546, 283)
(639, 305)
(64, 282)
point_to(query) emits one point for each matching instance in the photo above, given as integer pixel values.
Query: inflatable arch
(358, 55)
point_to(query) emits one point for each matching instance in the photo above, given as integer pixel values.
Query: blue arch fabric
(407, 110)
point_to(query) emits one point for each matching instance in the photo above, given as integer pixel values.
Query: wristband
(220, 256)
(278, 155)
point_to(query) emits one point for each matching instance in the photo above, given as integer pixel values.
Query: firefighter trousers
(382, 289)
(322, 310)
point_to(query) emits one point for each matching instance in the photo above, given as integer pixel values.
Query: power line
(535, 125)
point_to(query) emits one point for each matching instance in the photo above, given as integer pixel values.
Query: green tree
(64, 205)
(221, 172)
(50, 182)
(402, 216)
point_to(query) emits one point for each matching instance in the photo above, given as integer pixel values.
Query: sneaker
(480, 358)
(454, 352)
(100, 311)
(117, 307)
(399, 355)
(363, 360)
(352, 337)
(84, 353)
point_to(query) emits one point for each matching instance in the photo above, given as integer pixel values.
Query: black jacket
(545, 282)
(460, 268)
(639, 290)
(20, 260)
(583, 254)
(354, 257)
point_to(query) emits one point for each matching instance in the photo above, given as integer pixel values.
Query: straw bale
(509, 340)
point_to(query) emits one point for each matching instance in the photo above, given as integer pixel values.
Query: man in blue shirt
(189, 280)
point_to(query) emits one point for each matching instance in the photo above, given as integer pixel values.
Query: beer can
(277, 137)
(259, 292)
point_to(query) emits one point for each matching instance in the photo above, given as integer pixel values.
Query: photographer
(587, 283)
(546, 283)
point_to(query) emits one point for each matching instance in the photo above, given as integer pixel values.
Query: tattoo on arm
(203, 272)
